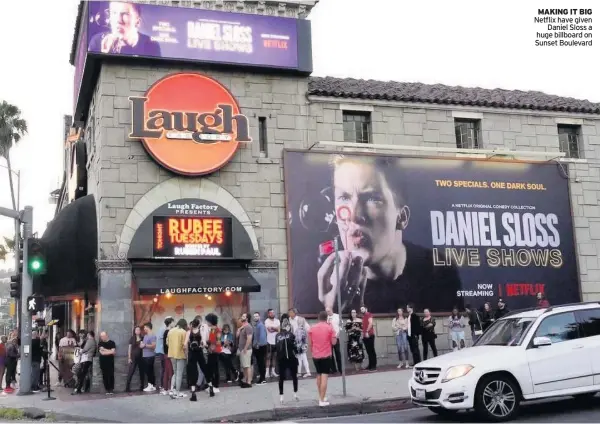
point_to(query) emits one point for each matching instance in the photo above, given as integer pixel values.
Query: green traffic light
(36, 265)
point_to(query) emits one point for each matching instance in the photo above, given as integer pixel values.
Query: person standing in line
(474, 323)
(334, 321)
(88, 351)
(272, 325)
(107, 349)
(285, 345)
(542, 302)
(3, 340)
(148, 345)
(321, 339)
(413, 332)
(502, 310)
(245, 334)
(12, 358)
(160, 350)
(202, 384)
(195, 354)
(428, 336)
(259, 347)
(369, 338)
(400, 327)
(300, 328)
(134, 357)
(456, 327)
(356, 353)
(36, 361)
(227, 353)
(487, 316)
(214, 351)
(176, 341)
(168, 376)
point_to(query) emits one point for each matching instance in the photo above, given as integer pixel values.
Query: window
(559, 328)
(357, 127)
(568, 139)
(262, 135)
(467, 133)
(590, 322)
(506, 332)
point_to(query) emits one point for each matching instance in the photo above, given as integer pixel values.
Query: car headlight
(457, 372)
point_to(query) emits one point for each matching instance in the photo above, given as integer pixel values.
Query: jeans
(1, 374)
(458, 340)
(178, 367)
(403, 347)
(429, 342)
(135, 363)
(168, 374)
(162, 358)
(303, 360)
(413, 342)
(369, 343)
(35, 373)
(83, 375)
(260, 353)
(149, 368)
(11, 371)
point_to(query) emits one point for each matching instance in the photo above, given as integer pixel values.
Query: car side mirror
(542, 341)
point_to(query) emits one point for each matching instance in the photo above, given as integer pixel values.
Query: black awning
(194, 280)
(71, 243)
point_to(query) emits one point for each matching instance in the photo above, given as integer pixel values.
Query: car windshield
(506, 332)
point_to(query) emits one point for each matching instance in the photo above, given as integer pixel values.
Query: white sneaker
(323, 403)
(281, 399)
(181, 395)
(296, 398)
(325, 399)
(307, 375)
(216, 390)
(274, 374)
(149, 388)
(400, 366)
(268, 374)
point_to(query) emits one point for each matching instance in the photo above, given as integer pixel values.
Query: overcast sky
(471, 43)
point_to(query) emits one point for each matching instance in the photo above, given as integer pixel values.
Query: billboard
(130, 29)
(437, 233)
(80, 57)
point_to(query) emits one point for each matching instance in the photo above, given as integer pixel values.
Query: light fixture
(76, 301)
(227, 293)
(209, 297)
(168, 295)
(155, 300)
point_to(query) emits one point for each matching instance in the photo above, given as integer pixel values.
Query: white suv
(527, 355)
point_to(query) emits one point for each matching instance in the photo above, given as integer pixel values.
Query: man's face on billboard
(370, 228)
(124, 19)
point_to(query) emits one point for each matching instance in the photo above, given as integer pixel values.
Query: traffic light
(15, 280)
(36, 257)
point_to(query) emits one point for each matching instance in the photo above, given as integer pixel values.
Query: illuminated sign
(189, 123)
(192, 237)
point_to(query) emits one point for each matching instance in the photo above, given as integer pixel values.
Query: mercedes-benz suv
(527, 355)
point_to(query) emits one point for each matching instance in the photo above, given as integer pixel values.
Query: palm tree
(7, 247)
(12, 129)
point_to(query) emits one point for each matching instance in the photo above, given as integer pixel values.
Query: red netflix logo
(521, 289)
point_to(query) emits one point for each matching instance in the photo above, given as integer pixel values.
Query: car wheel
(497, 398)
(443, 412)
(585, 396)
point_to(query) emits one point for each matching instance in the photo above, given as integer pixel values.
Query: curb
(365, 406)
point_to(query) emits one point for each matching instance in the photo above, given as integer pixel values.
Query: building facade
(134, 187)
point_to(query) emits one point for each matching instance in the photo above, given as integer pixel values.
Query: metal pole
(26, 291)
(16, 252)
(19, 189)
(341, 339)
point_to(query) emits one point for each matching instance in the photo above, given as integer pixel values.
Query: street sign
(35, 304)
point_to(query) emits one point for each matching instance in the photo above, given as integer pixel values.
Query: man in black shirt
(377, 266)
(107, 349)
(124, 36)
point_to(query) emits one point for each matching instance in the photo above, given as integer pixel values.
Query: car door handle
(578, 347)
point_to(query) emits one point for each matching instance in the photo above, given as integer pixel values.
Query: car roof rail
(551, 308)
(519, 311)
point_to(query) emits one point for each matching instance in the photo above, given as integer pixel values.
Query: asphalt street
(563, 411)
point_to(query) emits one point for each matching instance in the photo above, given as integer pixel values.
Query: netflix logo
(520, 289)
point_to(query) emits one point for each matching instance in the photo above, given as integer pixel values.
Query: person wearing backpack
(285, 344)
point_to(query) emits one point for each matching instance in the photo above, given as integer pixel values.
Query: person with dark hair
(487, 316)
(502, 309)
(36, 361)
(542, 302)
(124, 37)
(272, 326)
(475, 323)
(168, 374)
(227, 343)
(193, 346)
(321, 338)
(160, 350)
(134, 357)
(368, 328)
(285, 348)
(177, 342)
(12, 359)
(380, 267)
(356, 353)
(214, 350)
(456, 327)
(428, 335)
(244, 343)
(88, 351)
(148, 345)
(414, 330)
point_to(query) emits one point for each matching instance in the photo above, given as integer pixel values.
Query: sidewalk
(383, 385)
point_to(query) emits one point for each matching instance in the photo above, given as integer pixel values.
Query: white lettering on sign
(197, 250)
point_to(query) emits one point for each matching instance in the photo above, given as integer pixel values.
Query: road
(562, 411)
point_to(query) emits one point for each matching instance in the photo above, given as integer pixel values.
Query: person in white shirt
(334, 321)
(272, 325)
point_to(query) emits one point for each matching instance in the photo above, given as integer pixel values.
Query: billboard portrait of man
(124, 36)
(378, 267)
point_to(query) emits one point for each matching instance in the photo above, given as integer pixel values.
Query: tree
(7, 247)
(12, 129)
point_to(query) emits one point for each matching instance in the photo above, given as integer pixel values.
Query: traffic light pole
(17, 263)
(26, 291)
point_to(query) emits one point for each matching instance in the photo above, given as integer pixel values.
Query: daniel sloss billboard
(438, 233)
